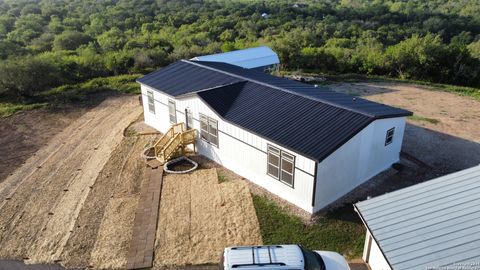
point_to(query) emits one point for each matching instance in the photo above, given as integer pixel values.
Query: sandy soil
(23, 134)
(450, 141)
(41, 201)
(199, 217)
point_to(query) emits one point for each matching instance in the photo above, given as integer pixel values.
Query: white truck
(280, 257)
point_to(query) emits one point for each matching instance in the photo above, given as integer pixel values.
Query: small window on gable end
(389, 136)
(151, 102)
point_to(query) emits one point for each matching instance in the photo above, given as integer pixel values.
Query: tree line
(46, 43)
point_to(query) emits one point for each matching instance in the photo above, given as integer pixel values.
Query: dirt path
(23, 134)
(47, 193)
(199, 217)
(445, 129)
(115, 230)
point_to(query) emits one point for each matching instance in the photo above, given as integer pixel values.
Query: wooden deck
(140, 254)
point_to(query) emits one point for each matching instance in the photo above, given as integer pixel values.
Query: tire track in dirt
(76, 253)
(31, 195)
(41, 157)
(25, 216)
(52, 240)
(110, 249)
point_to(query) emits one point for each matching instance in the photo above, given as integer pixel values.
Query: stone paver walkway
(140, 254)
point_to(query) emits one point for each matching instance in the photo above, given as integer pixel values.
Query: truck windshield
(313, 261)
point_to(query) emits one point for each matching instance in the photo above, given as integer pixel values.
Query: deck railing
(174, 139)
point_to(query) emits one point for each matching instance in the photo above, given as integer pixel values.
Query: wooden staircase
(173, 141)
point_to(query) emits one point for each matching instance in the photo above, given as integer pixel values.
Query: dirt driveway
(445, 129)
(199, 217)
(42, 203)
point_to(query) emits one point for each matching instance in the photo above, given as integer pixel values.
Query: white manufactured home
(306, 144)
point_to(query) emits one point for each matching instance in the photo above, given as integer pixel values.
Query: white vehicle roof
(267, 257)
(247, 58)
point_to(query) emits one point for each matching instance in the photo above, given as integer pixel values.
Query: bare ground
(42, 200)
(25, 133)
(199, 217)
(445, 130)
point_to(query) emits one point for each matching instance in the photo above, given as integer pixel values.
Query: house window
(189, 118)
(172, 111)
(287, 168)
(389, 136)
(273, 162)
(151, 102)
(209, 129)
(280, 165)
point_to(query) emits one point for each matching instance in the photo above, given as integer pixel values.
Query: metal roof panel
(430, 224)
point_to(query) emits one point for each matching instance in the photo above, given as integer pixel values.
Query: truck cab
(280, 257)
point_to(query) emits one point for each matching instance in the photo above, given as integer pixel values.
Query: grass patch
(8, 109)
(424, 119)
(221, 177)
(87, 92)
(341, 231)
(124, 84)
(352, 78)
(460, 90)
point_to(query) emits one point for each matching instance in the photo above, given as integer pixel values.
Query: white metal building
(307, 145)
(432, 225)
(261, 58)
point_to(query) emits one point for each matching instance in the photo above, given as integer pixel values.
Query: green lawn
(423, 119)
(340, 231)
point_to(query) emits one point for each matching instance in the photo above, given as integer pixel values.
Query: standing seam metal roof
(432, 224)
(248, 58)
(309, 120)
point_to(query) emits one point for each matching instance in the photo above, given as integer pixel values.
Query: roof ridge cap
(279, 88)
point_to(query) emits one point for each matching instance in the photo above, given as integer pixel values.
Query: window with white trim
(189, 118)
(280, 165)
(389, 136)
(209, 129)
(151, 102)
(172, 111)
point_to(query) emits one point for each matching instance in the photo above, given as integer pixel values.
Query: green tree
(70, 40)
(112, 40)
(417, 57)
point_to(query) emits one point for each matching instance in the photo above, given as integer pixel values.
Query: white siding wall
(239, 150)
(373, 256)
(361, 158)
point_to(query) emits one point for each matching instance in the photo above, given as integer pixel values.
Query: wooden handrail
(175, 137)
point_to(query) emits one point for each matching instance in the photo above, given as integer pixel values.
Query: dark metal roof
(182, 78)
(306, 126)
(309, 120)
(320, 93)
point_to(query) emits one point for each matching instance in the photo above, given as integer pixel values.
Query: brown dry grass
(199, 217)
